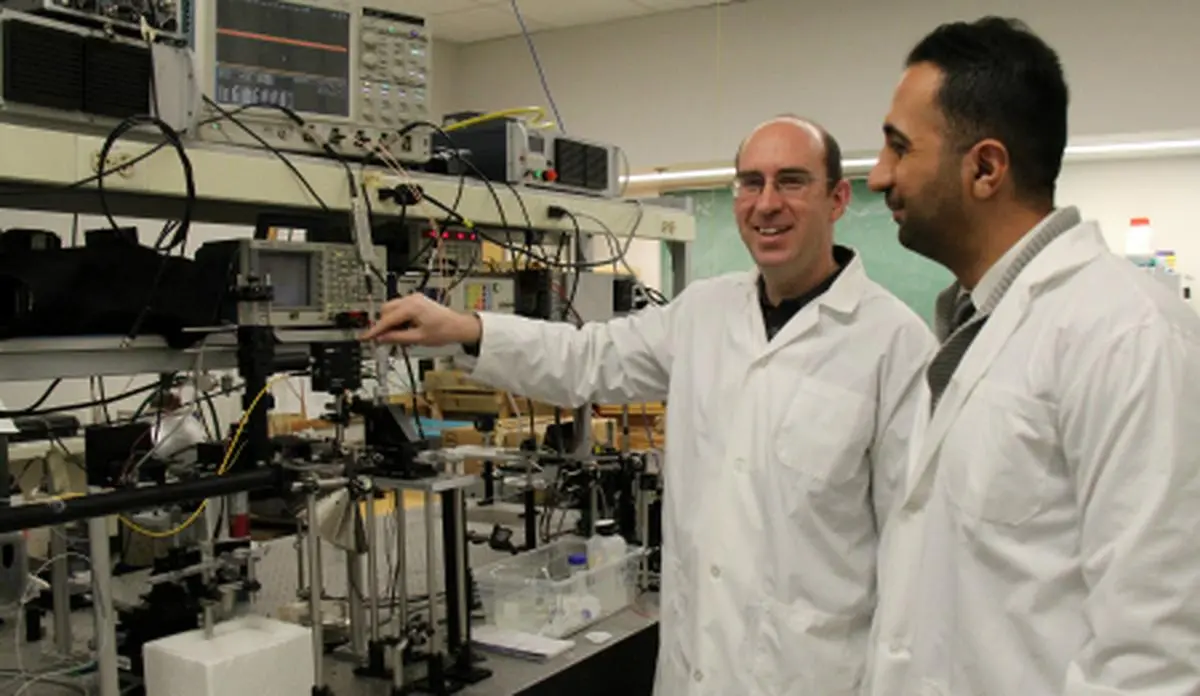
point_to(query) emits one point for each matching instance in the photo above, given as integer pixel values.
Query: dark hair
(833, 151)
(1000, 80)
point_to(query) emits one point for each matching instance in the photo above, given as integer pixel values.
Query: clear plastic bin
(535, 592)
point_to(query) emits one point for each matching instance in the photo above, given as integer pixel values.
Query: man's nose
(880, 178)
(769, 200)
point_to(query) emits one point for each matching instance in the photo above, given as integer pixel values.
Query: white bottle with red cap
(1139, 238)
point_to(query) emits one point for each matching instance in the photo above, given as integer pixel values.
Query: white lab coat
(1048, 540)
(774, 453)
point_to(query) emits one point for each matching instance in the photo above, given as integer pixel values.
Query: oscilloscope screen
(277, 52)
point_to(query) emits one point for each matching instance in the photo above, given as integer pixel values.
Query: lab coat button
(698, 676)
(739, 464)
(716, 571)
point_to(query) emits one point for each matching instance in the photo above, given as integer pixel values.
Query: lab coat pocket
(824, 432)
(996, 457)
(803, 651)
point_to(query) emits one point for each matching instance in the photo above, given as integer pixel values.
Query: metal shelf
(35, 359)
(235, 184)
(40, 167)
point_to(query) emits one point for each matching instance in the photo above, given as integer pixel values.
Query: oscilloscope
(354, 72)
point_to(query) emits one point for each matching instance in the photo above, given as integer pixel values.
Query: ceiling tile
(479, 24)
(575, 12)
(663, 5)
(429, 8)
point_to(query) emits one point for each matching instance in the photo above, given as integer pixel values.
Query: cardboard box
(511, 432)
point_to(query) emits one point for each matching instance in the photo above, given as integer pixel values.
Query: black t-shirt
(775, 317)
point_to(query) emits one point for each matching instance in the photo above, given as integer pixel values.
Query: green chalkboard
(867, 227)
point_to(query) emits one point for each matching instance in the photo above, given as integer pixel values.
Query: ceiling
(464, 21)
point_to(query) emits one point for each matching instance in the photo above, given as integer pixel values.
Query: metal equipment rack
(42, 169)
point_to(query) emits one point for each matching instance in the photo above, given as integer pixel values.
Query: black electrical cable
(582, 265)
(87, 404)
(31, 409)
(412, 381)
(454, 149)
(212, 410)
(652, 294)
(325, 146)
(174, 235)
(529, 233)
(232, 118)
(569, 305)
(179, 233)
(116, 169)
(467, 164)
(103, 399)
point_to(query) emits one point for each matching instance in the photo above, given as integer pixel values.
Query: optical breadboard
(355, 73)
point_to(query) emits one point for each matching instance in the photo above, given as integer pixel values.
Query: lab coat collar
(841, 298)
(1064, 256)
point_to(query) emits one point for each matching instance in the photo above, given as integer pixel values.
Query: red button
(551, 175)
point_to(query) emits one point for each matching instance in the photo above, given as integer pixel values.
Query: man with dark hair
(790, 391)
(1047, 538)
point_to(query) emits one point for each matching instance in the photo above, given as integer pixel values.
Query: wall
(1163, 190)
(1108, 192)
(447, 75)
(683, 87)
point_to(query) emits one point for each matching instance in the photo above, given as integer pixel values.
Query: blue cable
(537, 63)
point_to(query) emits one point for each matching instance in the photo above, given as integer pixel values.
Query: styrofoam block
(250, 655)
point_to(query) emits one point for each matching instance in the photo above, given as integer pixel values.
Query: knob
(370, 59)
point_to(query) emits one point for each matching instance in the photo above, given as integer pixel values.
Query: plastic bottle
(580, 605)
(606, 545)
(578, 563)
(1139, 238)
(607, 551)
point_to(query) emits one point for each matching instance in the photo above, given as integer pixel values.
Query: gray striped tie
(961, 325)
(941, 369)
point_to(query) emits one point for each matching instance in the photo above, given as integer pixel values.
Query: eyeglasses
(787, 184)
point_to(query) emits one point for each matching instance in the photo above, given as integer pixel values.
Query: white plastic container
(606, 552)
(232, 661)
(540, 592)
(1139, 238)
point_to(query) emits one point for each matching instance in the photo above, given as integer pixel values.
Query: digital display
(290, 275)
(276, 52)
(536, 144)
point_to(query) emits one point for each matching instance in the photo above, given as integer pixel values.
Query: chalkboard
(867, 227)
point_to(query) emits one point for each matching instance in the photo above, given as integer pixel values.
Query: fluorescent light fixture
(1127, 148)
(684, 175)
(1149, 146)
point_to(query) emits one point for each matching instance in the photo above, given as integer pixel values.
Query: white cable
(623, 250)
(27, 597)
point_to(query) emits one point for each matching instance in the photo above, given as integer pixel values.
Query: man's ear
(989, 162)
(841, 199)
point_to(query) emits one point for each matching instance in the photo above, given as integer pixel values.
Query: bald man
(792, 393)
